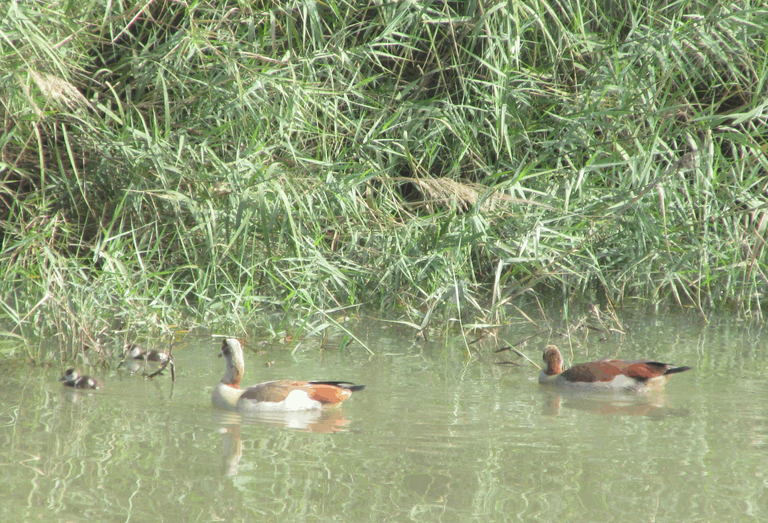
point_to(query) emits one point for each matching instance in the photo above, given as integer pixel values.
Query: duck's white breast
(225, 397)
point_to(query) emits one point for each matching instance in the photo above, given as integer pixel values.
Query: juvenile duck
(137, 352)
(638, 376)
(287, 395)
(73, 378)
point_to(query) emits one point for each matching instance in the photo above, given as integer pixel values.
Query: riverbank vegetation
(173, 164)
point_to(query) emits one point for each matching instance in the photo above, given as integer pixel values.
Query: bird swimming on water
(285, 395)
(73, 378)
(638, 375)
(137, 352)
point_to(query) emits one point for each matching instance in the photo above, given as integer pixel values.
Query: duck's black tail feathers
(341, 384)
(674, 370)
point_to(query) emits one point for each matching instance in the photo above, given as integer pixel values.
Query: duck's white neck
(226, 393)
(235, 366)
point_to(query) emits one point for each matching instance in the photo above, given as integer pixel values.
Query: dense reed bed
(172, 164)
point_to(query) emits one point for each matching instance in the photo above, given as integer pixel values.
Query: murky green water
(435, 437)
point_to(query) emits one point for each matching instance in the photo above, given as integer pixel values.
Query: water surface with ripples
(443, 432)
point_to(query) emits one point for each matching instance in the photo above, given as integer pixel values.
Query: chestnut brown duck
(638, 375)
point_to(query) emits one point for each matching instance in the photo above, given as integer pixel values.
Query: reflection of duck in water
(322, 421)
(610, 403)
(309, 420)
(281, 395)
(73, 378)
(637, 376)
(232, 448)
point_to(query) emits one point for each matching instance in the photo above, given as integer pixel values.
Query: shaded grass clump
(171, 164)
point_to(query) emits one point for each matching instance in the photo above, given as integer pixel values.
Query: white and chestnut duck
(73, 378)
(638, 376)
(285, 395)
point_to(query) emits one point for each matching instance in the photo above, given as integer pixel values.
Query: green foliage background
(177, 163)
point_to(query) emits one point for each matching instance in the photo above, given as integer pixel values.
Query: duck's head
(231, 348)
(553, 359)
(70, 375)
(134, 352)
(232, 352)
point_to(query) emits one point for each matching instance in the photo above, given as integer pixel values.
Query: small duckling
(137, 352)
(133, 353)
(73, 378)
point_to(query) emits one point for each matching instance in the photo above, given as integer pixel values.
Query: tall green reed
(169, 165)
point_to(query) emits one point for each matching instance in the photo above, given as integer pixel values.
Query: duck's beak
(62, 378)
